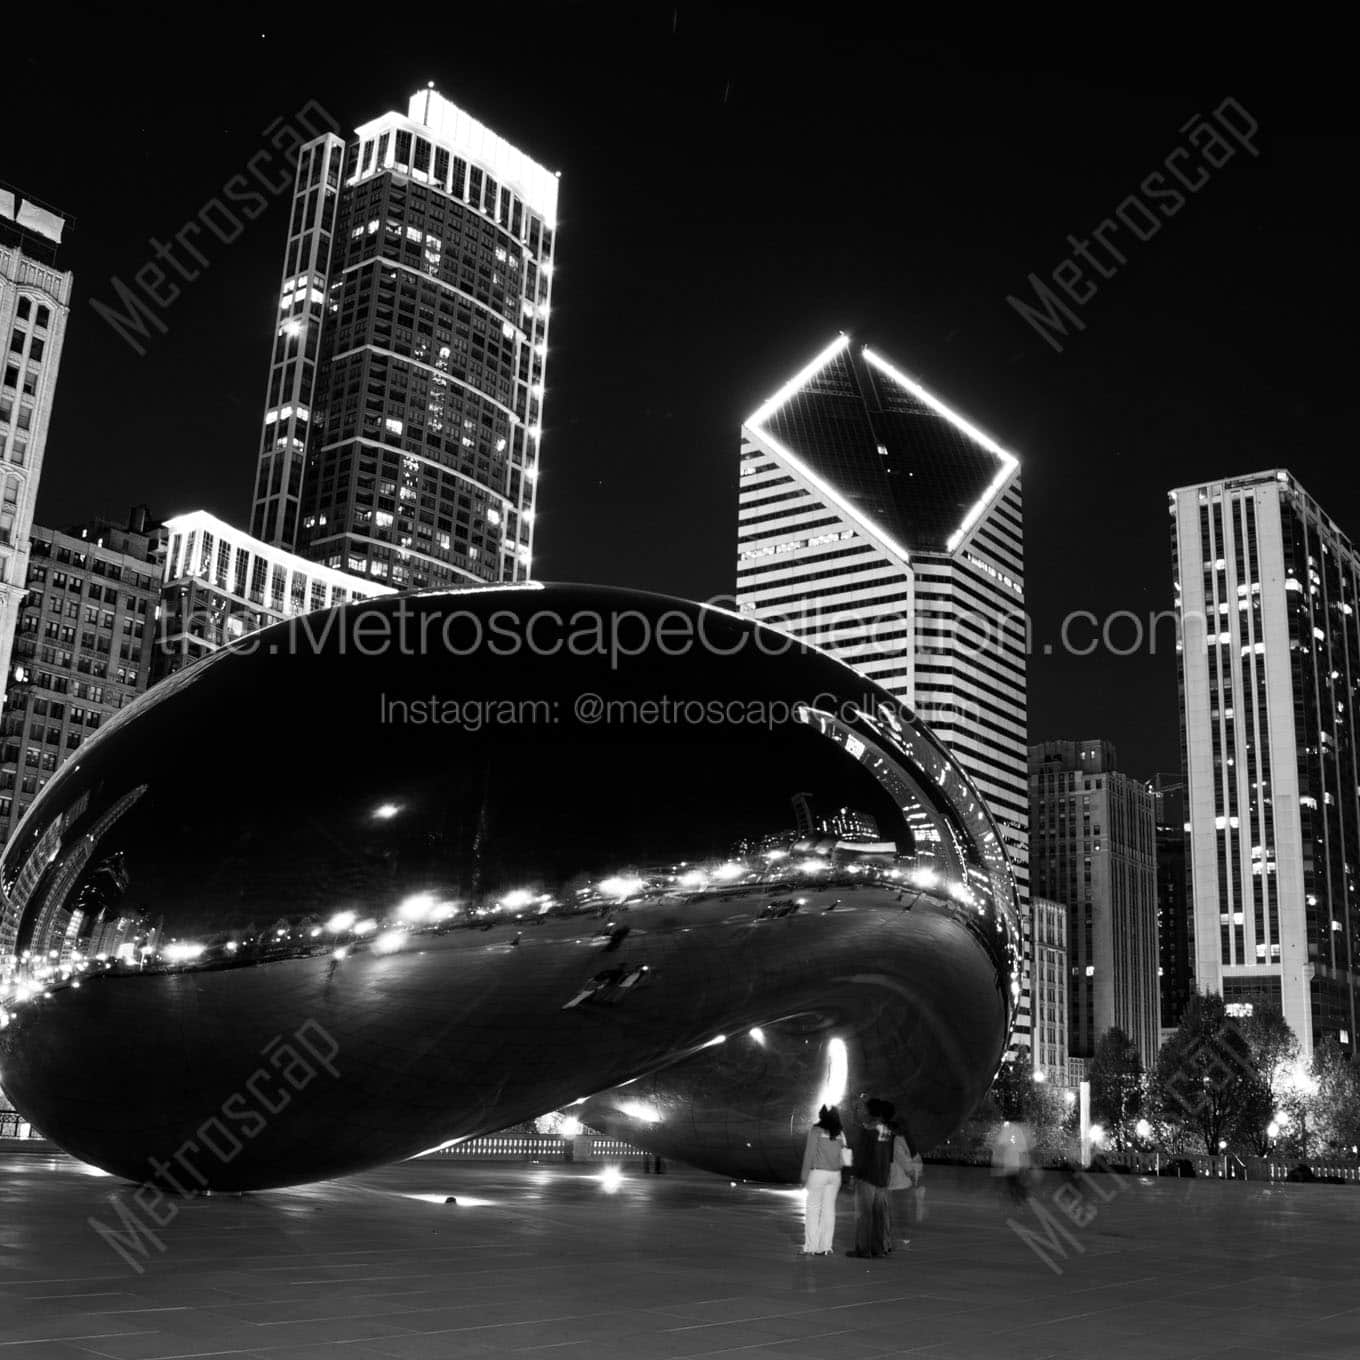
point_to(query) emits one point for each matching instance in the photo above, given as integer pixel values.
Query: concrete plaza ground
(545, 1261)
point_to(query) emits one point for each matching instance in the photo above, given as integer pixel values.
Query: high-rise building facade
(1173, 897)
(1094, 849)
(880, 525)
(403, 423)
(220, 585)
(82, 651)
(1267, 590)
(1044, 989)
(35, 298)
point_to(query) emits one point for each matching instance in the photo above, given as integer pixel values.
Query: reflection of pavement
(679, 1264)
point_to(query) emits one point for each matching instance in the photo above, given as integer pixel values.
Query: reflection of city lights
(621, 886)
(635, 1109)
(837, 1073)
(342, 920)
(415, 907)
(388, 942)
(611, 1178)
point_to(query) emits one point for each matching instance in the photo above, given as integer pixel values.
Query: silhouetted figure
(872, 1163)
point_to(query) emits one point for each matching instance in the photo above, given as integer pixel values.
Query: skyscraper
(403, 421)
(35, 298)
(82, 651)
(221, 585)
(1094, 849)
(1267, 588)
(880, 525)
(1045, 986)
(1173, 897)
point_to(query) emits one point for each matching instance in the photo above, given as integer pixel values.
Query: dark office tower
(82, 650)
(1093, 848)
(1173, 897)
(404, 416)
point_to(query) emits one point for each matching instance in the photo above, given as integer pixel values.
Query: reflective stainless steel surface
(272, 926)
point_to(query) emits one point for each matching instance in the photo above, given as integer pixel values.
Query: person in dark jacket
(872, 1167)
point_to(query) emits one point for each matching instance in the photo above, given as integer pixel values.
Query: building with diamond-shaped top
(877, 523)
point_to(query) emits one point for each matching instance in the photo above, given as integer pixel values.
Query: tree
(1014, 1085)
(1116, 1076)
(1275, 1054)
(1206, 1076)
(1336, 1106)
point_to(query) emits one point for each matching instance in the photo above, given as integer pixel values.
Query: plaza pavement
(545, 1261)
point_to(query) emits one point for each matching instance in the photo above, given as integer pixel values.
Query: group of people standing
(884, 1167)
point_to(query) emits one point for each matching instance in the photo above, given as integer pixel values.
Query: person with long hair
(823, 1157)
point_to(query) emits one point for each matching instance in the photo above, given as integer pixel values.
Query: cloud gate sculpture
(426, 866)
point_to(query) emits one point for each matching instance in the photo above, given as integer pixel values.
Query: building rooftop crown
(895, 455)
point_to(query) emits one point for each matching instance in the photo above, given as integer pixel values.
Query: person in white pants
(823, 1157)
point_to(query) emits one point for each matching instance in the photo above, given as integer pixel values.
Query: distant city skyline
(690, 282)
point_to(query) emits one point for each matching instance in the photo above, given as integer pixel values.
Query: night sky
(738, 185)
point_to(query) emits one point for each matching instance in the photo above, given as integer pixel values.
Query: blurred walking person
(1011, 1159)
(824, 1155)
(904, 1179)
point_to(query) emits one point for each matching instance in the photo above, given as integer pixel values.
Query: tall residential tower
(880, 525)
(1267, 589)
(404, 414)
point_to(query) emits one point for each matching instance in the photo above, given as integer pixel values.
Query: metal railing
(521, 1147)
